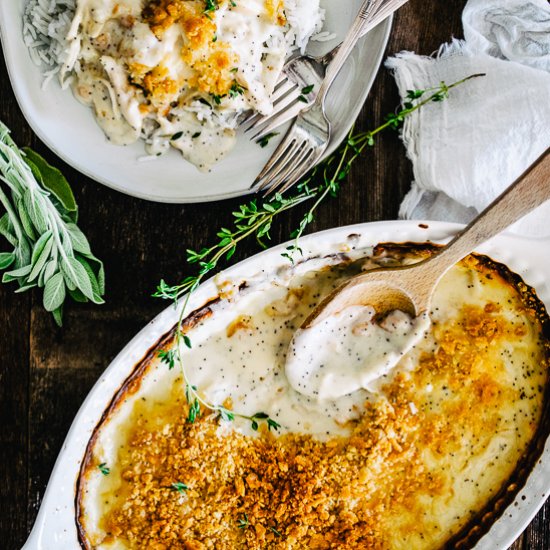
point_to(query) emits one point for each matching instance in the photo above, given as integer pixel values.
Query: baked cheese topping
(406, 468)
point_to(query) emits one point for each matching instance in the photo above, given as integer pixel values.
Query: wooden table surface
(45, 372)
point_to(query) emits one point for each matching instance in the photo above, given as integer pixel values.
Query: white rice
(47, 22)
(45, 26)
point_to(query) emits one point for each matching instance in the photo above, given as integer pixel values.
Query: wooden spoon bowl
(410, 288)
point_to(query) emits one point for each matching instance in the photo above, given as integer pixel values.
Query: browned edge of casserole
(480, 524)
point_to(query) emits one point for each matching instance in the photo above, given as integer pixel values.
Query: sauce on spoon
(350, 350)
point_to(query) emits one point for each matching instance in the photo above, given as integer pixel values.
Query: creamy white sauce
(248, 366)
(107, 38)
(349, 351)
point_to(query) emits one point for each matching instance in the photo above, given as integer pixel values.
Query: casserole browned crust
(289, 490)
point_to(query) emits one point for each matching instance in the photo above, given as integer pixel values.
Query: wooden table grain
(45, 372)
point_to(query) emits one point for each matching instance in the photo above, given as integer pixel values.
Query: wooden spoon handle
(530, 190)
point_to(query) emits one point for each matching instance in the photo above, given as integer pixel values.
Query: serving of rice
(173, 73)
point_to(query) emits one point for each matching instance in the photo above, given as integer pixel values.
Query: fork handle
(380, 13)
(362, 20)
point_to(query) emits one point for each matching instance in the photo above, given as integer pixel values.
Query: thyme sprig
(255, 220)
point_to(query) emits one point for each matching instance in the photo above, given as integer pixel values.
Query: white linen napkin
(466, 150)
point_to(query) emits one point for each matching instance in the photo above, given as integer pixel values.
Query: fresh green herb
(255, 220)
(271, 424)
(103, 469)
(234, 70)
(210, 6)
(179, 487)
(168, 357)
(215, 38)
(275, 531)
(50, 251)
(236, 89)
(204, 102)
(263, 142)
(194, 409)
(305, 91)
(243, 523)
(217, 99)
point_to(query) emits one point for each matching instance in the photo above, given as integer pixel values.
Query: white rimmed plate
(55, 527)
(69, 128)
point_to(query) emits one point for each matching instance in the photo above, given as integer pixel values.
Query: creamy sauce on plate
(177, 74)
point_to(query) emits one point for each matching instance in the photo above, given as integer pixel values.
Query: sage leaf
(34, 209)
(7, 278)
(78, 276)
(51, 179)
(77, 296)
(40, 256)
(40, 245)
(54, 292)
(78, 239)
(58, 315)
(25, 220)
(19, 272)
(24, 288)
(49, 270)
(22, 253)
(6, 259)
(101, 278)
(93, 281)
(6, 230)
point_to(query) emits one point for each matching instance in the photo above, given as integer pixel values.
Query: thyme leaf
(243, 522)
(179, 487)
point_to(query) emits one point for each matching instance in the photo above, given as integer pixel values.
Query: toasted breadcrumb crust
(211, 59)
(382, 486)
(293, 491)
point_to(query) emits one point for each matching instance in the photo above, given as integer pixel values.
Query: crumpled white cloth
(466, 150)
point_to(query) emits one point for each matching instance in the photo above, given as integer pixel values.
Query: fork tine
(284, 166)
(295, 176)
(286, 178)
(279, 108)
(291, 112)
(282, 86)
(283, 89)
(279, 153)
(291, 94)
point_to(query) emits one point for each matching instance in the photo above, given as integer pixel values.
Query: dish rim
(12, 42)
(56, 517)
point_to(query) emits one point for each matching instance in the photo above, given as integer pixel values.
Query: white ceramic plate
(55, 527)
(69, 128)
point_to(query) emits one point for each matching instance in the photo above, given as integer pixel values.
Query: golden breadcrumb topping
(397, 481)
(211, 59)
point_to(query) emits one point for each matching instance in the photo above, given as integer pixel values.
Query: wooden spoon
(410, 288)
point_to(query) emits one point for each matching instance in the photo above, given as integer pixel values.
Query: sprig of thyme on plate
(255, 220)
(49, 250)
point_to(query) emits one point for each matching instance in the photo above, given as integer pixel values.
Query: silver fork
(300, 81)
(309, 135)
